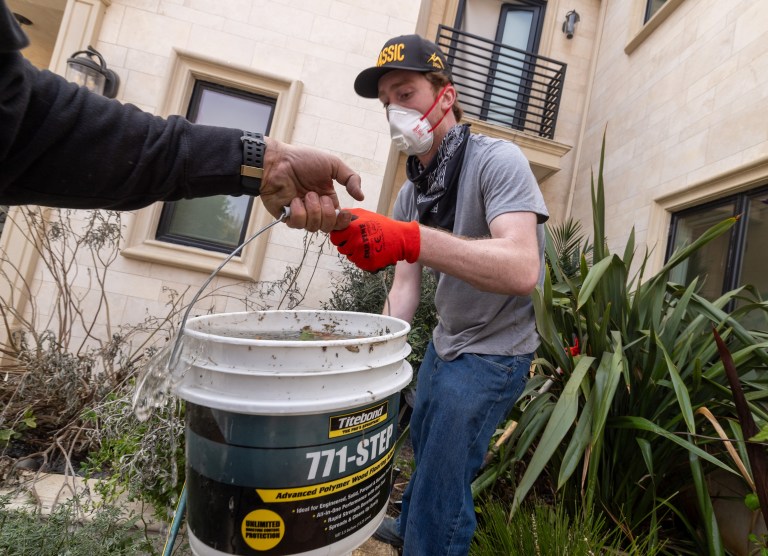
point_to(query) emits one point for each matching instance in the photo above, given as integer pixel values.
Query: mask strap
(424, 117)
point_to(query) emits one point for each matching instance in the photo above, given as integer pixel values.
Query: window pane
(216, 223)
(517, 29)
(653, 7)
(216, 219)
(754, 268)
(733, 260)
(709, 262)
(222, 109)
(503, 101)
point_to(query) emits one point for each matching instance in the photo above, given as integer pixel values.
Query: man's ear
(449, 96)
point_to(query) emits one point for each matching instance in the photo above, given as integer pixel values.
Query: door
(512, 76)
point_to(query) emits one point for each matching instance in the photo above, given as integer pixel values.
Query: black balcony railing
(504, 85)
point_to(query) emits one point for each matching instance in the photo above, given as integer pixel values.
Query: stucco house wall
(683, 108)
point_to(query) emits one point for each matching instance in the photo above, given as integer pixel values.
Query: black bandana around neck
(436, 185)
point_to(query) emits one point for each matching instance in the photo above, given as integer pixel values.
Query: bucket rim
(302, 373)
(380, 338)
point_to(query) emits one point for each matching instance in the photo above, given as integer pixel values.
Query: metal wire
(175, 353)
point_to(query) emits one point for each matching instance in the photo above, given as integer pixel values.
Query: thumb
(349, 179)
(344, 219)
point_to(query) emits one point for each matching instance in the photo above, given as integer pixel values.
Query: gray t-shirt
(495, 179)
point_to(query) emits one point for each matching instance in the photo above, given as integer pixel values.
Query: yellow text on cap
(391, 53)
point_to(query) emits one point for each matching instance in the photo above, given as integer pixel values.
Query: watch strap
(252, 169)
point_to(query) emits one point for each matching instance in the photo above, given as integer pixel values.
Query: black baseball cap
(406, 52)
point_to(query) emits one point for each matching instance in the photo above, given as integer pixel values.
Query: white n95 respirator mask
(410, 130)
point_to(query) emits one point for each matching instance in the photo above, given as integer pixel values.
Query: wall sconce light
(569, 25)
(92, 74)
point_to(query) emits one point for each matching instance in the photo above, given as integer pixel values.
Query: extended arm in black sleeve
(61, 145)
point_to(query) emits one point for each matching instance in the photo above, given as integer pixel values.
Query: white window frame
(186, 69)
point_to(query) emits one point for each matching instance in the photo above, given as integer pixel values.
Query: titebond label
(357, 421)
(286, 484)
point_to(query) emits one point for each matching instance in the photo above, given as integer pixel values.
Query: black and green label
(286, 484)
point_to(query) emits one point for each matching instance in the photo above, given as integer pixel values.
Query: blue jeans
(459, 404)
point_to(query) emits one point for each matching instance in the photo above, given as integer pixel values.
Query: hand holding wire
(314, 213)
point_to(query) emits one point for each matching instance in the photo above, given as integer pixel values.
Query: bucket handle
(175, 353)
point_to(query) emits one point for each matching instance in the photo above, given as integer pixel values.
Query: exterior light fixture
(569, 25)
(88, 69)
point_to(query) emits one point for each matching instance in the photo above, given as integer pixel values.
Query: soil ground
(372, 547)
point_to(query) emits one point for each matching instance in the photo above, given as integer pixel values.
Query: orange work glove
(373, 241)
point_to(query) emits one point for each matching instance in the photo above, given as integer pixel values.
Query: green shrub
(65, 533)
(61, 359)
(141, 459)
(541, 529)
(621, 427)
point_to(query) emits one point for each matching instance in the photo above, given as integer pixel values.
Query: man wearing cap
(471, 211)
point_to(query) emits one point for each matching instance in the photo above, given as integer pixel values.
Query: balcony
(503, 85)
(508, 92)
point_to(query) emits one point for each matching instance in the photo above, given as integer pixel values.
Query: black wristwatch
(252, 168)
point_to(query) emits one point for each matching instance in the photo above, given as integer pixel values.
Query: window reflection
(652, 7)
(216, 223)
(708, 263)
(732, 260)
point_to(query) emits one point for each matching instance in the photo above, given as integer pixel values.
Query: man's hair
(440, 80)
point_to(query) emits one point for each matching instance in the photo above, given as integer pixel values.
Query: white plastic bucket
(290, 442)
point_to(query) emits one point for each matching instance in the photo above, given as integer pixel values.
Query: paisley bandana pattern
(436, 185)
